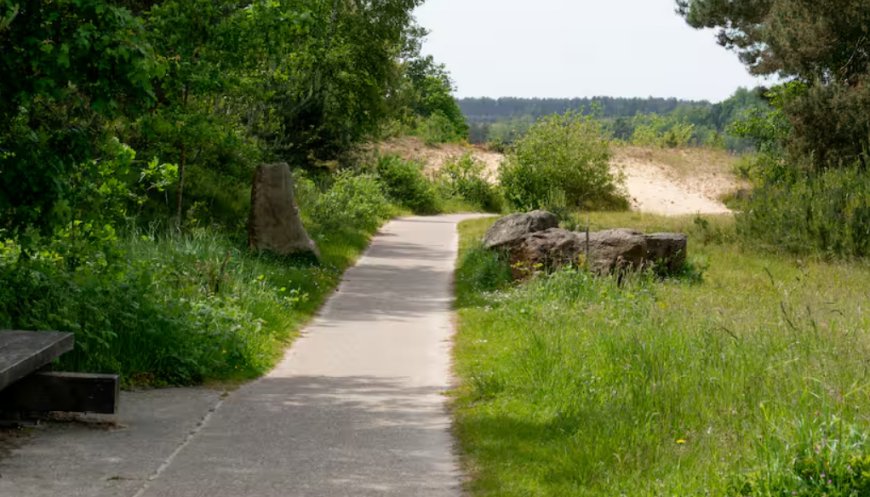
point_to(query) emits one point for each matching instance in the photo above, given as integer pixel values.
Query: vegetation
(575, 385)
(562, 162)
(821, 48)
(435, 114)
(129, 132)
(810, 177)
(826, 213)
(169, 309)
(655, 121)
(465, 178)
(406, 184)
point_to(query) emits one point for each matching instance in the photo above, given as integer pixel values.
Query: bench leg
(62, 392)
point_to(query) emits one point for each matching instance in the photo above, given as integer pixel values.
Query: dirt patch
(412, 148)
(676, 181)
(669, 182)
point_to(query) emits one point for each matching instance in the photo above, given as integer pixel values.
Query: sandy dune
(666, 182)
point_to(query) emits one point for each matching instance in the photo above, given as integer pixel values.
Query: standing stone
(275, 225)
(512, 230)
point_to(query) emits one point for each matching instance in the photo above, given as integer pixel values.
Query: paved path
(356, 408)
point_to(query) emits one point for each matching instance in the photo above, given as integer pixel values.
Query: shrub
(353, 201)
(463, 178)
(438, 128)
(565, 157)
(827, 213)
(406, 184)
(663, 131)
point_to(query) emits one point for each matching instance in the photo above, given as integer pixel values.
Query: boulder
(511, 230)
(274, 224)
(546, 250)
(615, 250)
(667, 251)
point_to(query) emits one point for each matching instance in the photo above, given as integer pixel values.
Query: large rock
(608, 251)
(546, 250)
(275, 225)
(511, 230)
(667, 251)
(615, 250)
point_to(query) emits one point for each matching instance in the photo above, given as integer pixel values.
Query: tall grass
(176, 309)
(579, 386)
(826, 213)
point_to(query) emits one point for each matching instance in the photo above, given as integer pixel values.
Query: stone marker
(511, 230)
(275, 225)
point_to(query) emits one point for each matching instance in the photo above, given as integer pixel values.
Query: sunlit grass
(576, 386)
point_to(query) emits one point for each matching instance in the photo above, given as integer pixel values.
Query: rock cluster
(533, 241)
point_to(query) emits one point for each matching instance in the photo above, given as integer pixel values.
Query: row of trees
(668, 122)
(202, 90)
(491, 109)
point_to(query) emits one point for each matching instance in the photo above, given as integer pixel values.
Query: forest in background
(675, 122)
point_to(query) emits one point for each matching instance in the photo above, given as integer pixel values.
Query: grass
(172, 309)
(208, 309)
(576, 386)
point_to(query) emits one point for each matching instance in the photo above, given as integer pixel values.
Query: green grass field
(752, 380)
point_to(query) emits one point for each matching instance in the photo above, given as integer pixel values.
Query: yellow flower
(681, 441)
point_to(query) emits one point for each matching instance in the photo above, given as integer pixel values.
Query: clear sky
(578, 48)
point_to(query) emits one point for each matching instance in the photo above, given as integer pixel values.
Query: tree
(822, 49)
(327, 67)
(69, 66)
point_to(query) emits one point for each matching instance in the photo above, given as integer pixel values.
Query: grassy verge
(175, 309)
(754, 381)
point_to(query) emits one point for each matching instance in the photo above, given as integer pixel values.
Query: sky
(578, 48)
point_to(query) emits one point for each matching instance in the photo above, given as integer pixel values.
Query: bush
(562, 159)
(438, 128)
(406, 184)
(663, 131)
(463, 178)
(353, 201)
(827, 213)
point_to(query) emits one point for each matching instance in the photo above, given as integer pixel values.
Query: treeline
(482, 110)
(650, 121)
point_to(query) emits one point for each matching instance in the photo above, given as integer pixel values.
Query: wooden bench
(25, 386)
